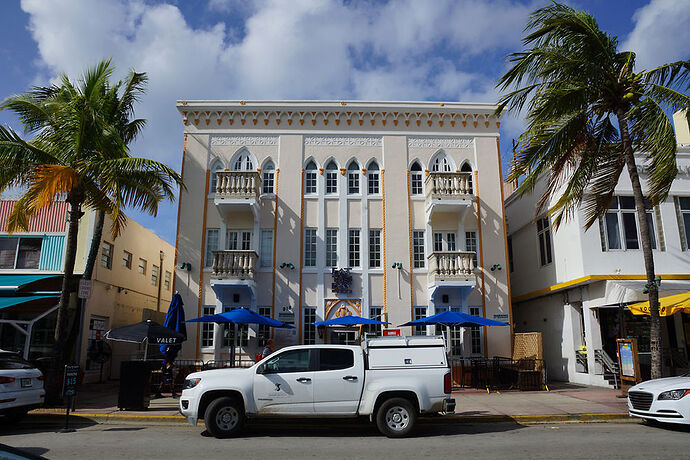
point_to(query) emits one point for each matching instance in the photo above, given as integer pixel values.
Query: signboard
(391, 332)
(504, 317)
(69, 385)
(286, 336)
(84, 289)
(628, 361)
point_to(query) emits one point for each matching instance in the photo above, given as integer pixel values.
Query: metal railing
(499, 373)
(238, 184)
(448, 185)
(451, 265)
(230, 264)
(609, 366)
(581, 362)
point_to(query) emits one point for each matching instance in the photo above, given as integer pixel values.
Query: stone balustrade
(449, 185)
(451, 265)
(234, 264)
(238, 184)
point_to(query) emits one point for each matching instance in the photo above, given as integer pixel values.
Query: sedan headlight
(672, 395)
(190, 383)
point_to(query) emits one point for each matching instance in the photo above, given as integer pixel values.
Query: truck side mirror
(261, 369)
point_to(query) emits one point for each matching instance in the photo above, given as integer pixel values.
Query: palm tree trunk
(95, 245)
(655, 323)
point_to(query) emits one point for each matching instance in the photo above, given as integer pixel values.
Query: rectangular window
(98, 326)
(154, 275)
(127, 259)
(416, 182)
(8, 252)
(544, 237)
(418, 249)
(353, 247)
(377, 314)
(267, 183)
(107, 255)
(374, 248)
(444, 242)
(166, 282)
(438, 242)
(207, 328)
(475, 333)
(142, 266)
(211, 245)
(310, 183)
(331, 247)
(620, 222)
(263, 332)
(353, 182)
(229, 333)
(683, 213)
(310, 247)
(419, 313)
(331, 181)
(450, 238)
(373, 180)
(309, 328)
(29, 253)
(471, 245)
(237, 240)
(266, 248)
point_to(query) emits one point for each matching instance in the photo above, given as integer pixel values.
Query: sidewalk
(565, 402)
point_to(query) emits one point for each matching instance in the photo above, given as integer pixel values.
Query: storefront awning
(15, 282)
(11, 301)
(667, 305)
(629, 291)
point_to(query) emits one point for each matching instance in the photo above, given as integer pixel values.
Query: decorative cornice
(244, 140)
(440, 142)
(369, 141)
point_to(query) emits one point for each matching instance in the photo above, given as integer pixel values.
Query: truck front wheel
(396, 417)
(224, 417)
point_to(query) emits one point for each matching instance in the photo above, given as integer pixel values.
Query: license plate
(26, 383)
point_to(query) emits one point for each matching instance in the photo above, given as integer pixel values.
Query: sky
(410, 50)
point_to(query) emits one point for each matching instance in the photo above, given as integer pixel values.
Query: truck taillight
(447, 383)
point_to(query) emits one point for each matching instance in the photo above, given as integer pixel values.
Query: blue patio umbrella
(241, 316)
(348, 320)
(454, 318)
(174, 319)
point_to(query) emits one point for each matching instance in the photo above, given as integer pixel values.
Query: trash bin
(135, 385)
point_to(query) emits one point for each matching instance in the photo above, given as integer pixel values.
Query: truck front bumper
(449, 406)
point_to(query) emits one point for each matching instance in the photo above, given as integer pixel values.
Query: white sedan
(21, 387)
(663, 400)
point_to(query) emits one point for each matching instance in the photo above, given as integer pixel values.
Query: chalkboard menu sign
(69, 385)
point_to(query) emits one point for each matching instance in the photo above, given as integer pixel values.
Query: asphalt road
(357, 440)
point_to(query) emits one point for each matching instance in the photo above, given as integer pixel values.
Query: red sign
(391, 333)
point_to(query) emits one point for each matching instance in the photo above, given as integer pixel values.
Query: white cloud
(311, 49)
(661, 33)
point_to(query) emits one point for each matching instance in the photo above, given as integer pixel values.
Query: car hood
(669, 383)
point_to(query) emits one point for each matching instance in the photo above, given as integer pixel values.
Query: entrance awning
(16, 282)
(11, 301)
(667, 305)
(631, 291)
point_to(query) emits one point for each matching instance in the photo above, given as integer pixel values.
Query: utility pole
(160, 275)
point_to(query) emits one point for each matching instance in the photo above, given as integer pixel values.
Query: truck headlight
(190, 383)
(672, 395)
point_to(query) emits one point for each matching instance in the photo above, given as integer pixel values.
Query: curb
(83, 418)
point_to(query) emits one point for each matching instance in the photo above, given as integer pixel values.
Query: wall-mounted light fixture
(186, 266)
(287, 265)
(495, 267)
(397, 265)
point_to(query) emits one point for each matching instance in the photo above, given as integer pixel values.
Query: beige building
(303, 211)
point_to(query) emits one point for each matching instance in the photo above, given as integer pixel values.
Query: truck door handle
(304, 379)
(350, 377)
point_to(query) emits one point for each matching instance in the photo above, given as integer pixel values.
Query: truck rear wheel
(396, 417)
(224, 417)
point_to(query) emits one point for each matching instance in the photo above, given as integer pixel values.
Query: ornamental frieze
(366, 141)
(440, 142)
(244, 140)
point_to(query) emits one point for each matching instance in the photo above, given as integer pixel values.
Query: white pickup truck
(390, 380)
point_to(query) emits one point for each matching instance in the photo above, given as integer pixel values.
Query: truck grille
(640, 400)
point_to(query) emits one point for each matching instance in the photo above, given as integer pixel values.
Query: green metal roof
(15, 281)
(19, 299)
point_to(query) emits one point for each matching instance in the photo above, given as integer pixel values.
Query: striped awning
(15, 282)
(11, 301)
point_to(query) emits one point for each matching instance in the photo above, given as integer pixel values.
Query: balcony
(237, 191)
(234, 265)
(451, 267)
(448, 192)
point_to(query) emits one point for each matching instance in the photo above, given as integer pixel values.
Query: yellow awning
(667, 305)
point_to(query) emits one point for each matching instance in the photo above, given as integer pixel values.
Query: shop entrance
(343, 336)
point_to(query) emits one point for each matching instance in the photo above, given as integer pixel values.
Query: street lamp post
(160, 275)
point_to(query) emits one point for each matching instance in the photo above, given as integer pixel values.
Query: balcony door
(444, 241)
(243, 162)
(441, 163)
(238, 240)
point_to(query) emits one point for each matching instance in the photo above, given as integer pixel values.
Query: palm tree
(588, 111)
(79, 152)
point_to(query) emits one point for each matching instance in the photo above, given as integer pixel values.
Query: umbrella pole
(146, 348)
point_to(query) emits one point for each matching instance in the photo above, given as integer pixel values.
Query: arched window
(353, 178)
(466, 168)
(373, 178)
(268, 174)
(416, 184)
(243, 162)
(441, 163)
(331, 178)
(310, 179)
(215, 167)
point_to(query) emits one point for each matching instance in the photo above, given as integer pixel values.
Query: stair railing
(608, 364)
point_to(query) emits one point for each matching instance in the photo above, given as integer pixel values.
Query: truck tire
(396, 417)
(224, 417)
